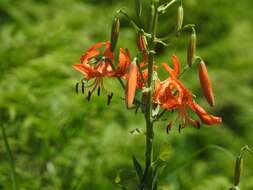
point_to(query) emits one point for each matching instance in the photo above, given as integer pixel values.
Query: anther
(109, 99)
(98, 91)
(179, 128)
(82, 87)
(77, 85)
(89, 95)
(168, 128)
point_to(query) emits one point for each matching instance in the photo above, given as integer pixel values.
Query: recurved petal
(169, 70)
(92, 52)
(206, 84)
(96, 46)
(131, 84)
(88, 55)
(84, 69)
(176, 64)
(204, 116)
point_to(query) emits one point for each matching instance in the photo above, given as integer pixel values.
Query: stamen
(89, 95)
(109, 99)
(98, 91)
(168, 128)
(179, 128)
(77, 85)
(82, 87)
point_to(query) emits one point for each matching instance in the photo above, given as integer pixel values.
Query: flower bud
(131, 84)
(191, 49)
(206, 84)
(114, 33)
(142, 43)
(238, 170)
(180, 18)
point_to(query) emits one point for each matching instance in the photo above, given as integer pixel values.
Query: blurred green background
(61, 141)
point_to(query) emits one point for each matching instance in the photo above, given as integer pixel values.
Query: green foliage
(61, 141)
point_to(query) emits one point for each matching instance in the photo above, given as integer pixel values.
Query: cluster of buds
(170, 94)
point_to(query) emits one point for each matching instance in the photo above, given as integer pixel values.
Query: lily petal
(176, 65)
(204, 116)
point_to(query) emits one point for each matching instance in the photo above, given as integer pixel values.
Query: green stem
(11, 160)
(148, 173)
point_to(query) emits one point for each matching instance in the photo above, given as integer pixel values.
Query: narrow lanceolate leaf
(191, 49)
(154, 178)
(238, 170)
(206, 84)
(131, 84)
(114, 33)
(138, 168)
(138, 7)
(180, 18)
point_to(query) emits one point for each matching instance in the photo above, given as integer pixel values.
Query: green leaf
(138, 168)
(155, 177)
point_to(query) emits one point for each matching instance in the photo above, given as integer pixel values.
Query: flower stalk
(148, 173)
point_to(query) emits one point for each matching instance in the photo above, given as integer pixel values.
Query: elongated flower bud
(205, 83)
(131, 84)
(138, 7)
(142, 43)
(180, 18)
(114, 33)
(238, 170)
(191, 49)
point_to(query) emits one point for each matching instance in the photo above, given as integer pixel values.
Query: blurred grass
(60, 141)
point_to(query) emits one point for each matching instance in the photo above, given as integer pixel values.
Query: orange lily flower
(97, 64)
(172, 94)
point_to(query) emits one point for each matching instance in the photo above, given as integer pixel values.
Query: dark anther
(109, 99)
(77, 85)
(98, 91)
(82, 87)
(89, 95)
(179, 128)
(168, 128)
